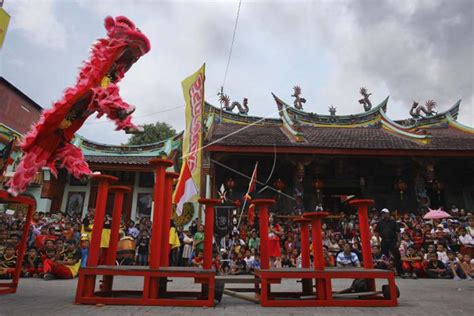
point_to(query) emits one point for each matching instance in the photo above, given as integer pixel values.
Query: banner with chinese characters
(193, 90)
(4, 20)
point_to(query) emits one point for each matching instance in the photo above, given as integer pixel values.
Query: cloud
(37, 21)
(410, 50)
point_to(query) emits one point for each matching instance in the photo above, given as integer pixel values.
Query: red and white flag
(185, 189)
(253, 181)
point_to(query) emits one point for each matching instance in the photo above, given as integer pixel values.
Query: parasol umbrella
(436, 214)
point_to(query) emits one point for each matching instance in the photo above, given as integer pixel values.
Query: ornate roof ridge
(402, 131)
(90, 147)
(238, 118)
(362, 118)
(454, 123)
(430, 121)
(290, 126)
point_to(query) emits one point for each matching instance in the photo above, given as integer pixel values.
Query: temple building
(308, 160)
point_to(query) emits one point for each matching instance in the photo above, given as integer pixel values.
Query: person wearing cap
(390, 233)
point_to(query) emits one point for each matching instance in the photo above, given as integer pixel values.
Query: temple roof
(126, 154)
(371, 131)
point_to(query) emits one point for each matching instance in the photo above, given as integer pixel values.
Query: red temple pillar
(101, 202)
(168, 207)
(158, 208)
(318, 253)
(116, 220)
(262, 205)
(208, 230)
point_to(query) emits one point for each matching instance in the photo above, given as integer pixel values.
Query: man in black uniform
(390, 234)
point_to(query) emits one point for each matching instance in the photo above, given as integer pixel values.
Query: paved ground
(418, 297)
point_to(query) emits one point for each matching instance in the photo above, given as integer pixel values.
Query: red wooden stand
(324, 295)
(11, 286)
(156, 276)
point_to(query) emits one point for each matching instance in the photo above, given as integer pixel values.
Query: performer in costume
(274, 233)
(96, 90)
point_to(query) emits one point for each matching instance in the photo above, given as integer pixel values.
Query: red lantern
(318, 185)
(279, 185)
(401, 186)
(230, 184)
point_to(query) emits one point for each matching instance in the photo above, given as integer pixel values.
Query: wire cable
(232, 44)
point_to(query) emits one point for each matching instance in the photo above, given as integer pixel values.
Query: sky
(410, 50)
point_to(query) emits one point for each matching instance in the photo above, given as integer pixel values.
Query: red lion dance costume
(96, 90)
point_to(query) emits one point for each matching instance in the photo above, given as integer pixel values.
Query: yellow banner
(4, 20)
(193, 90)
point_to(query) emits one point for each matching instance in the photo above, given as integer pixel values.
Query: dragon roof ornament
(224, 100)
(299, 101)
(365, 101)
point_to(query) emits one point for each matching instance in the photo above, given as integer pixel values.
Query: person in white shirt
(465, 239)
(442, 255)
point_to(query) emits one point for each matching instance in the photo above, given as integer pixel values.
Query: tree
(153, 133)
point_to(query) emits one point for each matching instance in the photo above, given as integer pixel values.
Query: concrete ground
(418, 297)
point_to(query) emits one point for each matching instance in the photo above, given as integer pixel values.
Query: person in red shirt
(41, 238)
(198, 260)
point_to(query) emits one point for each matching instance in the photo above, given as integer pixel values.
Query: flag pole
(247, 196)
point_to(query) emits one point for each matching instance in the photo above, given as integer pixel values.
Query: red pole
(24, 238)
(362, 208)
(158, 198)
(168, 206)
(116, 220)
(315, 218)
(262, 205)
(318, 253)
(101, 202)
(208, 230)
(304, 224)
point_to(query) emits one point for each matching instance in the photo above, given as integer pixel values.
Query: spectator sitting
(412, 264)
(32, 264)
(380, 260)
(436, 268)
(442, 255)
(454, 266)
(347, 258)
(8, 262)
(66, 266)
(198, 260)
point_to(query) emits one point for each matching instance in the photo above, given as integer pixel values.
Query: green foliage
(153, 133)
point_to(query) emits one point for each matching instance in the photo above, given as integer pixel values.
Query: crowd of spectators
(57, 245)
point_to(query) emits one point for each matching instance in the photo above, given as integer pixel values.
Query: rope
(229, 135)
(141, 116)
(232, 44)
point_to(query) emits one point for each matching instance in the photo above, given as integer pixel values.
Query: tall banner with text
(193, 90)
(4, 20)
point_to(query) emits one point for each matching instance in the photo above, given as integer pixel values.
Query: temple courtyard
(418, 297)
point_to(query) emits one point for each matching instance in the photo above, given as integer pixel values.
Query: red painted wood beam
(158, 208)
(116, 221)
(102, 192)
(168, 207)
(262, 205)
(208, 230)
